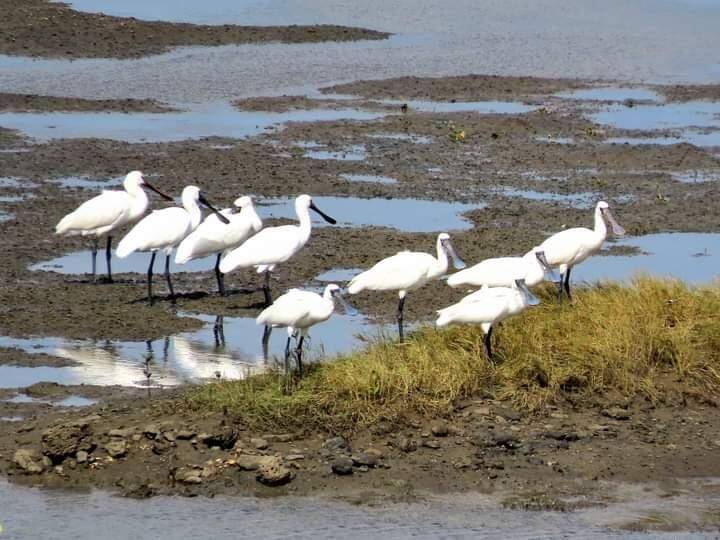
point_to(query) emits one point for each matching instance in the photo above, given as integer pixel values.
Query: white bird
(405, 271)
(214, 237)
(274, 245)
(164, 230)
(298, 310)
(487, 307)
(567, 248)
(106, 213)
(503, 271)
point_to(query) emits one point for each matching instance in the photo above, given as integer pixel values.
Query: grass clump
(612, 338)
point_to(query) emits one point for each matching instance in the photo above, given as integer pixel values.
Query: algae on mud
(612, 338)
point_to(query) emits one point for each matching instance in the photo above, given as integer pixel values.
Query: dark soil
(41, 28)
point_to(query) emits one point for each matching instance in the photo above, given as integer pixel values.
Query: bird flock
(499, 287)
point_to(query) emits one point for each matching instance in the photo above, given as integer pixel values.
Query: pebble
(272, 472)
(431, 443)
(616, 413)
(81, 456)
(439, 428)
(365, 460)
(30, 460)
(117, 448)
(122, 433)
(151, 431)
(169, 436)
(342, 466)
(189, 475)
(337, 443)
(508, 414)
(185, 434)
(260, 444)
(407, 444)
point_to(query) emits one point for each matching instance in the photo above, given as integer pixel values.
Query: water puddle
(351, 153)
(338, 275)
(373, 178)
(33, 513)
(612, 93)
(416, 139)
(6, 216)
(482, 107)
(228, 348)
(12, 418)
(576, 200)
(69, 401)
(79, 262)
(201, 120)
(87, 183)
(691, 136)
(12, 182)
(549, 139)
(692, 257)
(696, 177)
(410, 215)
(15, 198)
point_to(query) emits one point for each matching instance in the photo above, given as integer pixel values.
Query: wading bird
(405, 271)
(106, 213)
(164, 230)
(298, 310)
(487, 307)
(503, 271)
(567, 248)
(274, 245)
(214, 237)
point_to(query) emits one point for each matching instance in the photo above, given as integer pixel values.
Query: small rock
(508, 414)
(616, 413)
(337, 443)
(294, 457)
(81, 456)
(189, 475)
(508, 440)
(117, 448)
(439, 428)
(463, 463)
(374, 452)
(121, 433)
(169, 436)
(136, 437)
(260, 444)
(482, 411)
(29, 460)
(281, 438)
(431, 443)
(562, 435)
(406, 444)
(224, 439)
(184, 434)
(365, 459)
(151, 431)
(248, 462)
(59, 470)
(64, 440)
(272, 472)
(342, 466)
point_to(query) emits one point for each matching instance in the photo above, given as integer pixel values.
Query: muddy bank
(36, 103)
(547, 460)
(41, 28)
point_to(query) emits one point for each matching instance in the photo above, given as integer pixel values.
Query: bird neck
(193, 209)
(600, 225)
(255, 221)
(140, 199)
(303, 215)
(441, 265)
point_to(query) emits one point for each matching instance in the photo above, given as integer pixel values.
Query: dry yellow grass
(612, 338)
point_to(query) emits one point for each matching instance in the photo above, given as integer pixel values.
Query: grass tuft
(611, 338)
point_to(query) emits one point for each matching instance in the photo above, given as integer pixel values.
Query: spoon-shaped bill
(214, 210)
(458, 263)
(550, 273)
(156, 190)
(349, 310)
(323, 214)
(532, 300)
(615, 227)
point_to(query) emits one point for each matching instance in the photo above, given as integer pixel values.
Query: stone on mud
(188, 475)
(272, 472)
(224, 439)
(116, 449)
(30, 461)
(439, 428)
(65, 440)
(342, 466)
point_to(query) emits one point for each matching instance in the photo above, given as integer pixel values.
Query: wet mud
(34, 103)
(39, 28)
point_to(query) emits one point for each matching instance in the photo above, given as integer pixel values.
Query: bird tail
(357, 283)
(456, 279)
(184, 252)
(127, 245)
(445, 316)
(65, 224)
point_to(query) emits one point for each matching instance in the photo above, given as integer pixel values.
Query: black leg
(287, 356)
(94, 249)
(108, 255)
(266, 288)
(560, 287)
(298, 355)
(567, 283)
(400, 318)
(219, 331)
(167, 278)
(219, 276)
(266, 341)
(149, 278)
(488, 344)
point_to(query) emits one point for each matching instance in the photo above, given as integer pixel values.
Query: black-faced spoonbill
(298, 310)
(274, 245)
(405, 271)
(106, 213)
(567, 248)
(487, 307)
(164, 230)
(503, 271)
(214, 237)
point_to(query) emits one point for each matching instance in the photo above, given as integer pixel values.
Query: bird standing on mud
(215, 237)
(567, 248)
(487, 307)
(164, 230)
(298, 310)
(405, 271)
(108, 212)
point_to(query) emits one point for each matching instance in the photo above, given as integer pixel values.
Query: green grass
(612, 338)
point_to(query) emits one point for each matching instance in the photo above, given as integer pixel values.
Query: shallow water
(79, 262)
(612, 93)
(691, 136)
(482, 107)
(33, 513)
(200, 120)
(338, 275)
(87, 183)
(209, 353)
(692, 257)
(576, 200)
(351, 153)
(696, 177)
(409, 215)
(372, 178)
(69, 401)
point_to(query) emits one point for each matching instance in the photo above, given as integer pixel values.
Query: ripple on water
(612, 93)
